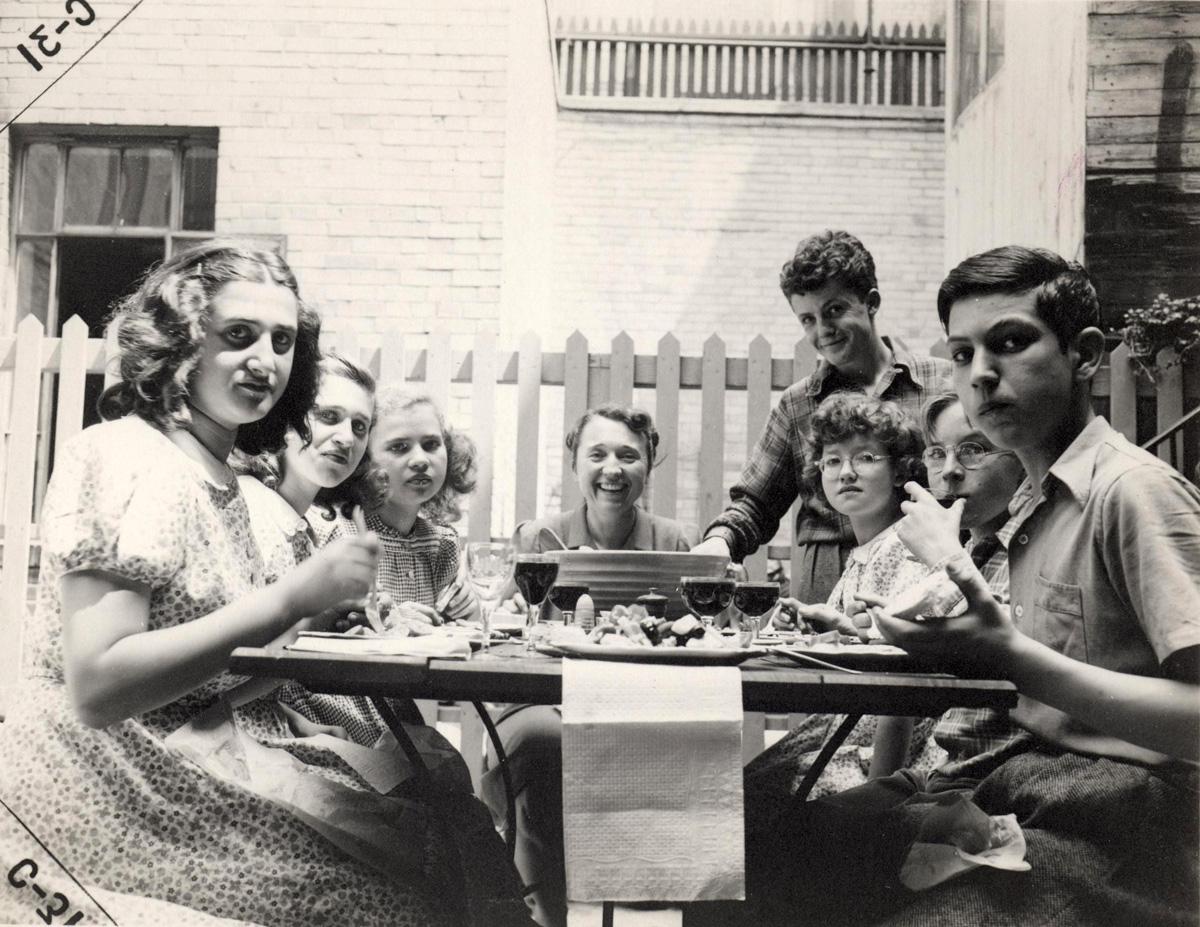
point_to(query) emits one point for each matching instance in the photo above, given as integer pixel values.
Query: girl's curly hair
(846, 415)
(637, 421)
(160, 331)
(461, 467)
(367, 486)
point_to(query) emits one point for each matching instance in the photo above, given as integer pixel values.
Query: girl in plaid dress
(429, 467)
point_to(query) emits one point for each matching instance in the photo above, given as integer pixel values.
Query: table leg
(510, 795)
(392, 720)
(827, 751)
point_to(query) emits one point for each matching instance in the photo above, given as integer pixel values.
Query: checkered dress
(421, 566)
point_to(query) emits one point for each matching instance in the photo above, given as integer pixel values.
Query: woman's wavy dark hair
(160, 331)
(445, 507)
(367, 486)
(637, 421)
(846, 415)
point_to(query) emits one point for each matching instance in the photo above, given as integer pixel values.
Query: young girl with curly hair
(430, 467)
(864, 450)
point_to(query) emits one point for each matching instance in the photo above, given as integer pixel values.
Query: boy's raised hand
(979, 639)
(928, 530)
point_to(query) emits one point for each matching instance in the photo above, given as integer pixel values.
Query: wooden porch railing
(743, 385)
(880, 72)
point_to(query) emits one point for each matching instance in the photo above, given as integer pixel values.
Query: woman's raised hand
(343, 569)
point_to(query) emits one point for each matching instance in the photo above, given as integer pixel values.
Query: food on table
(633, 626)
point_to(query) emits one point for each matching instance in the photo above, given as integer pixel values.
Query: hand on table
(980, 638)
(793, 614)
(514, 605)
(928, 530)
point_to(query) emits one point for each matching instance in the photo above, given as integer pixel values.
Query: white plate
(724, 656)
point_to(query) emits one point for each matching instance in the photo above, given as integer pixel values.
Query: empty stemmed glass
(535, 575)
(489, 565)
(753, 600)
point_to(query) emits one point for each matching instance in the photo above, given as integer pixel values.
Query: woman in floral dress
(150, 578)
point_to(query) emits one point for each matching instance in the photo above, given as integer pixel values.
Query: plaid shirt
(770, 481)
(979, 739)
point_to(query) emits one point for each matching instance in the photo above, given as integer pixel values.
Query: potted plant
(1165, 323)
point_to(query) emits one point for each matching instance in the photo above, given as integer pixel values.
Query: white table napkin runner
(652, 782)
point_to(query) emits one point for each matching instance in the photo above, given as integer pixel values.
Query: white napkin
(652, 782)
(431, 645)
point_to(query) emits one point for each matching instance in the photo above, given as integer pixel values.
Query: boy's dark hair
(1065, 298)
(827, 256)
(844, 415)
(637, 421)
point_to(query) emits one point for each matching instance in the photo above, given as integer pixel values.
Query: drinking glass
(707, 596)
(564, 597)
(753, 600)
(489, 565)
(534, 574)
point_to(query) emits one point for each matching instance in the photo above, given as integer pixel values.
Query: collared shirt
(1105, 568)
(979, 739)
(650, 532)
(770, 481)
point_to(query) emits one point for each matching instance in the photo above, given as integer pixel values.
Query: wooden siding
(1143, 152)
(1015, 156)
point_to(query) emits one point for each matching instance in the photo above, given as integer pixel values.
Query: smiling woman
(612, 449)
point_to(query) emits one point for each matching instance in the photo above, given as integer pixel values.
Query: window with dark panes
(93, 212)
(979, 47)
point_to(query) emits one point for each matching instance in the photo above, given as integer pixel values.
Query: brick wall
(370, 133)
(680, 223)
(375, 141)
(670, 223)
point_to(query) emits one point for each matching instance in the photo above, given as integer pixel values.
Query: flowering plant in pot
(1165, 323)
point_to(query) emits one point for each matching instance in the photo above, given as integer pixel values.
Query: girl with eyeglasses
(863, 451)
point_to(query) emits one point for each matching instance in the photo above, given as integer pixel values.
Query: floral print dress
(119, 807)
(882, 566)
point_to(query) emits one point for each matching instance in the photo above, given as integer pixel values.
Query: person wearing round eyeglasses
(865, 450)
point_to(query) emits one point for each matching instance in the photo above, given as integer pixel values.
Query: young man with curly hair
(831, 288)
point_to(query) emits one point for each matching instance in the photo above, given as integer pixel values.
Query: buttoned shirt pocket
(1057, 619)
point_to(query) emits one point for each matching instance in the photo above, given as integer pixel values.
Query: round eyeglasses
(969, 455)
(864, 460)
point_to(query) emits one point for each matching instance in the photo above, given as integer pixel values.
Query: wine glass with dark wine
(534, 575)
(564, 597)
(707, 596)
(753, 600)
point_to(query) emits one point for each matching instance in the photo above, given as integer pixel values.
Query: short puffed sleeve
(119, 500)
